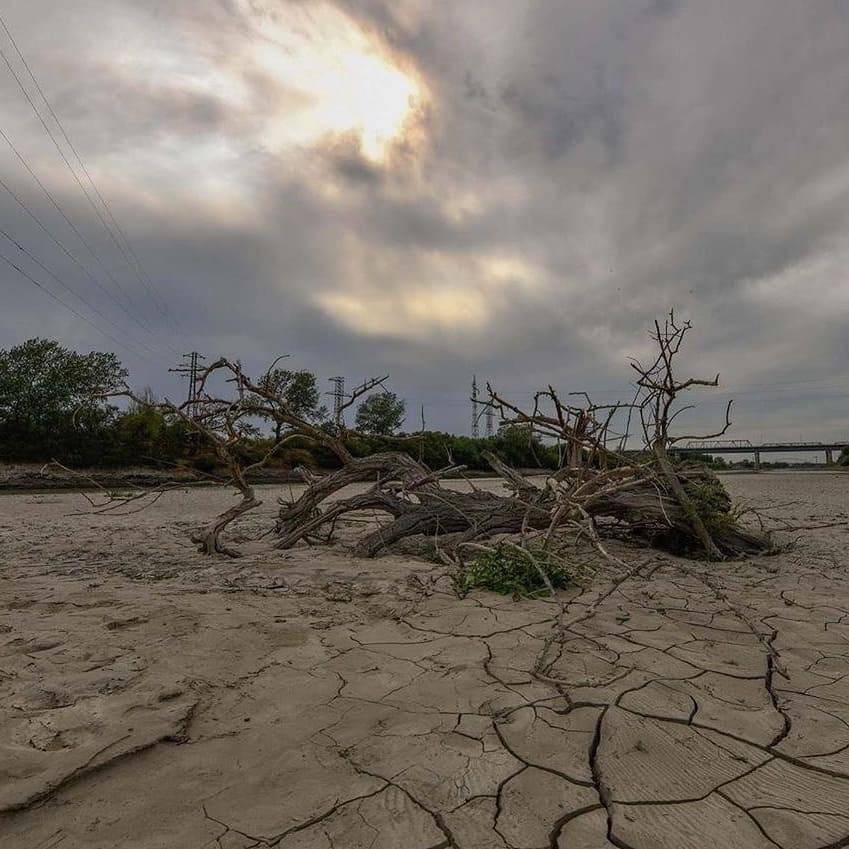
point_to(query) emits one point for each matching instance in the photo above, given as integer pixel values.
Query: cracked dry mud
(307, 700)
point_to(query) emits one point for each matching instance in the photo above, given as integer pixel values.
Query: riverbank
(151, 697)
(32, 477)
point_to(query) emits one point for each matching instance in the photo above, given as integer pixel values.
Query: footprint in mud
(45, 737)
(54, 742)
(118, 624)
(34, 645)
(45, 644)
(20, 603)
(33, 697)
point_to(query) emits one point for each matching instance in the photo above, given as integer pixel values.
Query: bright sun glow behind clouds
(345, 82)
(286, 78)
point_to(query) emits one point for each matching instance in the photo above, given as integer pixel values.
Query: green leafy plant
(510, 570)
(712, 504)
(122, 494)
(381, 414)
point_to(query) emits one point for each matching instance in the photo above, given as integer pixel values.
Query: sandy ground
(307, 700)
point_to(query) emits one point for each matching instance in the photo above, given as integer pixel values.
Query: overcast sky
(436, 189)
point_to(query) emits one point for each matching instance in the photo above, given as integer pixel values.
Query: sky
(434, 190)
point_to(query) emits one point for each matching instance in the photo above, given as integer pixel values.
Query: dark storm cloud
(578, 168)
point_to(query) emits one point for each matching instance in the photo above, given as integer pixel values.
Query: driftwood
(603, 486)
(431, 510)
(411, 495)
(643, 494)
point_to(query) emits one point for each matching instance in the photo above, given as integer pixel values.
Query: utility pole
(476, 432)
(338, 394)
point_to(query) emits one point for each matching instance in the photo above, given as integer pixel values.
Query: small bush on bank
(712, 504)
(508, 571)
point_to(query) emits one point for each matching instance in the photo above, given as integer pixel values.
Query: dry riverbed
(306, 700)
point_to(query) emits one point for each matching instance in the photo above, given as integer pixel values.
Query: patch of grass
(122, 494)
(508, 571)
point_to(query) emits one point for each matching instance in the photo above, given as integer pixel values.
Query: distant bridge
(744, 446)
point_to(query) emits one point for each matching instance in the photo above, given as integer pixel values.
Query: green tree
(51, 398)
(300, 391)
(381, 414)
(518, 446)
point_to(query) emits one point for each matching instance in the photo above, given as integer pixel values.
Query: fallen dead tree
(642, 494)
(414, 499)
(602, 488)
(632, 501)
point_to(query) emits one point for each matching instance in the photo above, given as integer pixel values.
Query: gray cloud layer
(578, 167)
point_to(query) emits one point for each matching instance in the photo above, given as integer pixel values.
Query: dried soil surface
(308, 700)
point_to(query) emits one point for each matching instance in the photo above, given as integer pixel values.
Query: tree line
(51, 409)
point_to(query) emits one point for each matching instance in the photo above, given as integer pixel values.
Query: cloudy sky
(436, 189)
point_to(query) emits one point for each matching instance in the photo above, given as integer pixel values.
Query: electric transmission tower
(192, 370)
(240, 387)
(338, 394)
(476, 432)
(490, 421)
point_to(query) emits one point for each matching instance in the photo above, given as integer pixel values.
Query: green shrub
(507, 570)
(295, 457)
(712, 504)
(123, 494)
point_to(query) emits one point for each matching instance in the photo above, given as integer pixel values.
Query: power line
(71, 309)
(43, 227)
(126, 249)
(69, 288)
(133, 258)
(71, 224)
